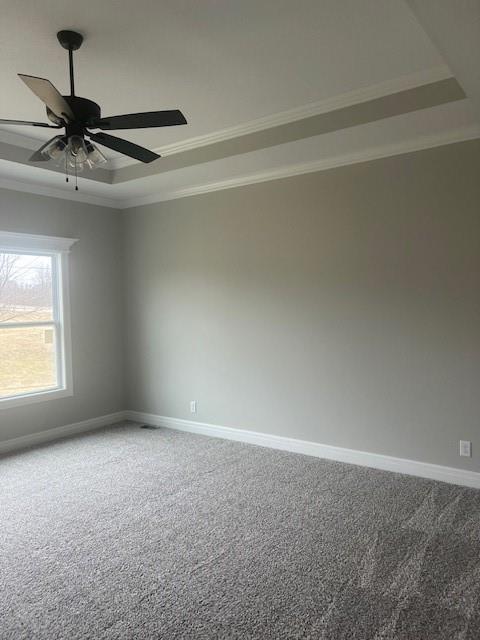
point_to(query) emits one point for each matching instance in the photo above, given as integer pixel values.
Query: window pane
(27, 360)
(25, 288)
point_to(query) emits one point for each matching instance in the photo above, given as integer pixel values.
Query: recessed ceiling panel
(222, 62)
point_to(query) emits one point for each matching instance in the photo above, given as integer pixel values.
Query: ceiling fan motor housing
(84, 110)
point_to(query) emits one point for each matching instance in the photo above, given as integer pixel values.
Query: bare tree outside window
(27, 328)
(25, 288)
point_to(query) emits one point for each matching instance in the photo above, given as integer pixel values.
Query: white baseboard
(351, 456)
(61, 432)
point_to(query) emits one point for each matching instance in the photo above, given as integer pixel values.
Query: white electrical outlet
(193, 406)
(466, 448)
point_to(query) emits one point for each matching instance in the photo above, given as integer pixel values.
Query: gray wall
(341, 307)
(96, 305)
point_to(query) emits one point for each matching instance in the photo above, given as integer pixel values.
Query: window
(35, 352)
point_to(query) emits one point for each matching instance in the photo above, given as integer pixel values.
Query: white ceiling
(454, 27)
(224, 63)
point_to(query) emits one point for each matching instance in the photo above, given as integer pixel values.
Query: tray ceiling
(232, 67)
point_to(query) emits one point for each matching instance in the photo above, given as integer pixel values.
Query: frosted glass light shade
(76, 153)
(55, 148)
(95, 156)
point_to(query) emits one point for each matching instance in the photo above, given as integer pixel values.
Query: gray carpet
(133, 533)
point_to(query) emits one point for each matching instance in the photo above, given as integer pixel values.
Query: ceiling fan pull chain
(76, 176)
(66, 169)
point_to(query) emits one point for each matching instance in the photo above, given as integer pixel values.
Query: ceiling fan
(79, 115)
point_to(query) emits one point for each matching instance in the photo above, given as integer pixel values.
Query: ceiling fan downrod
(71, 41)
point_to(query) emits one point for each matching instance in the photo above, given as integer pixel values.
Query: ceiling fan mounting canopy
(79, 115)
(70, 40)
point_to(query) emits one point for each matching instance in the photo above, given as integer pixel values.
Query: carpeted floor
(133, 533)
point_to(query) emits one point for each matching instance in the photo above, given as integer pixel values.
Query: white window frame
(58, 249)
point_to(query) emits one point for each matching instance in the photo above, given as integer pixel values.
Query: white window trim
(59, 248)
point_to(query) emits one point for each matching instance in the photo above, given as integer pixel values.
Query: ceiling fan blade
(33, 124)
(170, 118)
(124, 146)
(38, 155)
(48, 94)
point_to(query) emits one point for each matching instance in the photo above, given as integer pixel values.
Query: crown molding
(373, 153)
(63, 194)
(357, 96)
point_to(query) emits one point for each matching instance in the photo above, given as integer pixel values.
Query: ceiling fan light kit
(76, 150)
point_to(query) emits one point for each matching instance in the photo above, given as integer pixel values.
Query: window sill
(32, 398)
